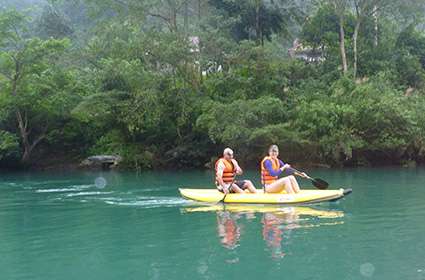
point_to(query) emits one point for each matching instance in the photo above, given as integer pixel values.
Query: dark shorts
(241, 184)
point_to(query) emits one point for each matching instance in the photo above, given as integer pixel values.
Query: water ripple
(73, 188)
(86, 193)
(148, 202)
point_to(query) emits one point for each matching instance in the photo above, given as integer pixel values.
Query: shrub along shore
(169, 85)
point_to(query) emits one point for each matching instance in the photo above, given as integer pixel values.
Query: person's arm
(238, 169)
(285, 167)
(219, 174)
(269, 166)
(291, 171)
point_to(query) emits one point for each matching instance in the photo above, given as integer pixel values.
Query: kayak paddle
(224, 197)
(225, 194)
(317, 182)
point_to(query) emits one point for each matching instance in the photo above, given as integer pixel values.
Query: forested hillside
(169, 83)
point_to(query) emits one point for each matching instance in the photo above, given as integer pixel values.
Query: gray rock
(104, 161)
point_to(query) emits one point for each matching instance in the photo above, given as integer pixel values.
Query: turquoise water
(114, 225)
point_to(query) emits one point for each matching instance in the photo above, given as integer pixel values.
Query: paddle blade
(320, 184)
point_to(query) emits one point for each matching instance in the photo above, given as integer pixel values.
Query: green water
(71, 226)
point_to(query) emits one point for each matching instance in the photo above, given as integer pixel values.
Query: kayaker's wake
(91, 193)
(74, 188)
(149, 202)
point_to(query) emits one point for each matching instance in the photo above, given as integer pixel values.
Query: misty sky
(20, 4)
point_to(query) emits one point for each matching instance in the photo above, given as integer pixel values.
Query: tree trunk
(376, 28)
(199, 11)
(16, 76)
(186, 16)
(22, 124)
(174, 20)
(173, 16)
(24, 132)
(355, 36)
(342, 45)
(257, 22)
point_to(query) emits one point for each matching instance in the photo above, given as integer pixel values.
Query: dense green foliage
(170, 83)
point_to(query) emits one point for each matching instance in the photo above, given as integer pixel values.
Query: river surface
(114, 225)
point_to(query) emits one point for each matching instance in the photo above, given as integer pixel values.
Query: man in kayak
(226, 169)
(271, 168)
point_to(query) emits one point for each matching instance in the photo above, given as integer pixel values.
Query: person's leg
(236, 189)
(280, 185)
(294, 183)
(288, 186)
(250, 186)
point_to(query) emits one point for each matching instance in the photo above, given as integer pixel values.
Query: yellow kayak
(304, 196)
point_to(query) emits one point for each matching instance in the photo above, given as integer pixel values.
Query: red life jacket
(229, 171)
(266, 178)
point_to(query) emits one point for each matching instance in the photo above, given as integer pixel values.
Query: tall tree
(29, 95)
(167, 12)
(258, 19)
(340, 8)
(364, 9)
(52, 23)
(372, 9)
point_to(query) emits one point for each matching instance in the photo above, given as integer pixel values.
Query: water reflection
(273, 231)
(228, 229)
(278, 223)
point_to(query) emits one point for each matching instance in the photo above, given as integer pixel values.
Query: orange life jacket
(266, 178)
(229, 171)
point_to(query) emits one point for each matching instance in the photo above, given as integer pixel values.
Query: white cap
(228, 151)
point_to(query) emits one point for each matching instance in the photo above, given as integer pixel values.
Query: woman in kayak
(226, 169)
(271, 168)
